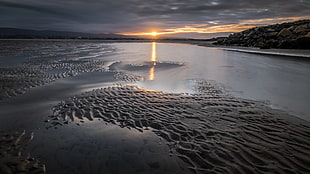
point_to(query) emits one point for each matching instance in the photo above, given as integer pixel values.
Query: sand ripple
(126, 77)
(39, 62)
(212, 132)
(17, 80)
(11, 158)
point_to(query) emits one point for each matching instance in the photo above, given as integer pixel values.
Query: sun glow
(154, 34)
(214, 27)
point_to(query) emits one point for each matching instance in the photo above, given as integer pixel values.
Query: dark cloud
(133, 15)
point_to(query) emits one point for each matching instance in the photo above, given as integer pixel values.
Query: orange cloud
(207, 28)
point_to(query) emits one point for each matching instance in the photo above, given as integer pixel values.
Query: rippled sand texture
(212, 132)
(11, 158)
(60, 60)
(18, 80)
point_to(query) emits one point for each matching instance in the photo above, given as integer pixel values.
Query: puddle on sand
(95, 147)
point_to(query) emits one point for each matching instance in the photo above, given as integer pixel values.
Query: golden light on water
(151, 73)
(153, 57)
(153, 60)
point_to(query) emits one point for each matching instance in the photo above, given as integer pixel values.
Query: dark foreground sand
(11, 158)
(211, 132)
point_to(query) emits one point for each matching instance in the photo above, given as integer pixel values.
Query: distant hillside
(10, 33)
(292, 35)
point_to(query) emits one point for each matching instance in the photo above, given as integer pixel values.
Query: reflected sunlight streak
(153, 57)
(153, 60)
(151, 73)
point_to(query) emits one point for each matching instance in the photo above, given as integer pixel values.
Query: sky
(170, 18)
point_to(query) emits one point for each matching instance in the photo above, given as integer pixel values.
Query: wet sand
(85, 115)
(18, 80)
(211, 132)
(12, 159)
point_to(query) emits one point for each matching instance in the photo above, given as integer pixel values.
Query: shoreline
(295, 53)
(274, 52)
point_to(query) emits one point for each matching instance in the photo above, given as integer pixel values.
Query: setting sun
(154, 34)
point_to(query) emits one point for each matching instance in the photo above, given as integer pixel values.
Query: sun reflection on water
(153, 57)
(151, 74)
(153, 60)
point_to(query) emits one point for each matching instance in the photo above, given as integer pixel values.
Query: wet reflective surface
(279, 80)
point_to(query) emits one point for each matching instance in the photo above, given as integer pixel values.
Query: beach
(74, 106)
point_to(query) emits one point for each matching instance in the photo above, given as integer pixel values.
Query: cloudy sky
(182, 18)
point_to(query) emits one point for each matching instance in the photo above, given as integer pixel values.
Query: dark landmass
(15, 33)
(291, 35)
